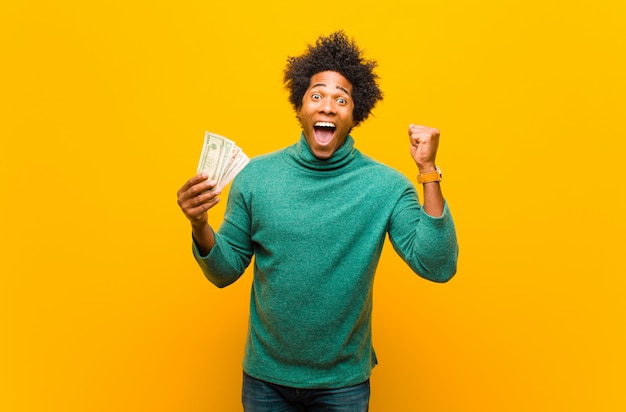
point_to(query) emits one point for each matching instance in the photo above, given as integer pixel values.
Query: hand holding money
(196, 197)
(220, 162)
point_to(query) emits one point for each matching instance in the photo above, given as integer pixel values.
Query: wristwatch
(434, 176)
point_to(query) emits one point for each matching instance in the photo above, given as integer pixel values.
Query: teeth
(324, 124)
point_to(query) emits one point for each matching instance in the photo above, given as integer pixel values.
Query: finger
(198, 212)
(189, 201)
(415, 138)
(193, 181)
(206, 196)
(206, 186)
(414, 129)
(197, 189)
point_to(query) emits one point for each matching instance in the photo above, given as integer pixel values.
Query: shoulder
(263, 162)
(383, 181)
(266, 158)
(259, 168)
(382, 172)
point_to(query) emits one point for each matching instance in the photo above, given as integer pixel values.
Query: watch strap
(434, 176)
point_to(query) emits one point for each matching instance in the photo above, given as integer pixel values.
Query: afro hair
(337, 53)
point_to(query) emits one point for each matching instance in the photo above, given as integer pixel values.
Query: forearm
(204, 237)
(424, 144)
(433, 199)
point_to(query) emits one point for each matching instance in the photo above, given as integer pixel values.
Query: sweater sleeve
(233, 250)
(427, 244)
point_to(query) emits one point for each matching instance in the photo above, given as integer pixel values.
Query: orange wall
(103, 109)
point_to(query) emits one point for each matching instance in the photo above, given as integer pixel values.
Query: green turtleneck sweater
(316, 229)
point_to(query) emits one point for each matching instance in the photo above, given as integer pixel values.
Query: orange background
(103, 109)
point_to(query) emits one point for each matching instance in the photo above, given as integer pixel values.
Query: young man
(316, 229)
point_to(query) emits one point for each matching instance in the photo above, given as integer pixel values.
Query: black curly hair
(335, 52)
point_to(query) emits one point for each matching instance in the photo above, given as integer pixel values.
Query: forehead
(330, 79)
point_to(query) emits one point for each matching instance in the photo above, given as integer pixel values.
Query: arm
(425, 236)
(222, 257)
(424, 145)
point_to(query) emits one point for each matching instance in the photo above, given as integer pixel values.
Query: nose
(327, 106)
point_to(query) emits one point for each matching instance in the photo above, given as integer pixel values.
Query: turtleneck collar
(301, 153)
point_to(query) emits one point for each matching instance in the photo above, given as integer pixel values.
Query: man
(315, 216)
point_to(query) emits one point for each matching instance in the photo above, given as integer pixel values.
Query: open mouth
(324, 131)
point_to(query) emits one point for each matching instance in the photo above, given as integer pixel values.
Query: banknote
(221, 159)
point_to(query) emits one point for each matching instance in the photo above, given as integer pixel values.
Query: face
(326, 113)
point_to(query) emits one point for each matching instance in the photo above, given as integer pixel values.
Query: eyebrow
(339, 87)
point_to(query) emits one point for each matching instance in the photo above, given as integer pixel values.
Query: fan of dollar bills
(221, 159)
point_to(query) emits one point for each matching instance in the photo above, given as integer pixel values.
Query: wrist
(426, 168)
(429, 176)
(198, 226)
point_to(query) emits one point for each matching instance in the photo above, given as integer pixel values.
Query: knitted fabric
(316, 229)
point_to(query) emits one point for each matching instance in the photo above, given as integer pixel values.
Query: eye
(341, 100)
(316, 96)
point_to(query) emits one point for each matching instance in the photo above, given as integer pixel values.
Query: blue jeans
(261, 396)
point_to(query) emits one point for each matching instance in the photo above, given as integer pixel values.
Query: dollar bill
(221, 159)
(240, 162)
